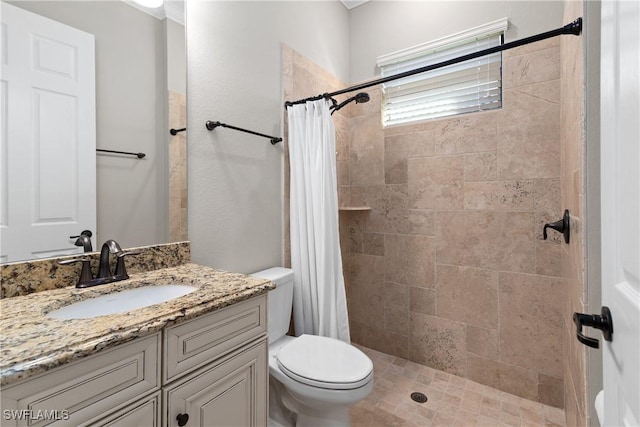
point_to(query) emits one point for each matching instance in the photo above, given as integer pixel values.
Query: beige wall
(380, 27)
(235, 180)
(176, 57)
(592, 16)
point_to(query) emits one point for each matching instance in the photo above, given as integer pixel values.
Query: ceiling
(350, 4)
(174, 9)
(171, 9)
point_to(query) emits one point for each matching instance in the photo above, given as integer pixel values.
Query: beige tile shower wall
(572, 195)
(177, 168)
(449, 268)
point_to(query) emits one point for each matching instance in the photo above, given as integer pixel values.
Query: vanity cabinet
(208, 371)
(233, 390)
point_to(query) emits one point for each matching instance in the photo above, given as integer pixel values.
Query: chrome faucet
(104, 269)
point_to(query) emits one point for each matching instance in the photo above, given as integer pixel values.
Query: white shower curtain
(319, 301)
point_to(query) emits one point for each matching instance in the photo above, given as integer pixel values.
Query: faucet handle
(86, 233)
(85, 274)
(123, 253)
(121, 270)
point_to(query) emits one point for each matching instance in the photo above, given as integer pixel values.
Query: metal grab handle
(138, 155)
(604, 322)
(211, 125)
(562, 226)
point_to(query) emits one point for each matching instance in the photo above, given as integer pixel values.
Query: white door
(48, 160)
(620, 164)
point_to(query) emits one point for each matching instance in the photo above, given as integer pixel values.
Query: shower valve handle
(562, 226)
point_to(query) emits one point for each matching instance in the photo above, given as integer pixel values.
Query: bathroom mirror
(140, 94)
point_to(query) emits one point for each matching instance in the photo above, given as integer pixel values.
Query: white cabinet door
(620, 164)
(47, 159)
(231, 393)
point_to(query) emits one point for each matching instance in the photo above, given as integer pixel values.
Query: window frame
(422, 53)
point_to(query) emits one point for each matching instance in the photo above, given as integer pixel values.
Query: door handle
(603, 321)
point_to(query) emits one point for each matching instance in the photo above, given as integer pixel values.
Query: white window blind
(469, 86)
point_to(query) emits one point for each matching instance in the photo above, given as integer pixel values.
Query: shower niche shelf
(354, 208)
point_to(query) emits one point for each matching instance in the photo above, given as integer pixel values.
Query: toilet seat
(325, 362)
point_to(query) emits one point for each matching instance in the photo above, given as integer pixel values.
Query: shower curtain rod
(574, 28)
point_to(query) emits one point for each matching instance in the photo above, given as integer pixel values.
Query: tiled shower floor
(452, 401)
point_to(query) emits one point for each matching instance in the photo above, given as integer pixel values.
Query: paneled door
(620, 166)
(48, 158)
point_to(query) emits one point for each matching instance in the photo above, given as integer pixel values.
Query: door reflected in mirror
(140, 93)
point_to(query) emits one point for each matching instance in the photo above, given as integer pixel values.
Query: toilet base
(338, 418)
(273, 423)
(287, 411)
(279, 415)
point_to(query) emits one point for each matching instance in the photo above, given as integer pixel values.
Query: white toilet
(313, 380)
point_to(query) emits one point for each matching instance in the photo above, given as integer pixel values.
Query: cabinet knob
(182, 419)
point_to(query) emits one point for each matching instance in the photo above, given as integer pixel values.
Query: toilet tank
(280, 301)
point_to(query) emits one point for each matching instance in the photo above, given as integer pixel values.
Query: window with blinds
(466, 87)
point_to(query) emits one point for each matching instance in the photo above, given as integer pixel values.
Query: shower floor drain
(416, 396)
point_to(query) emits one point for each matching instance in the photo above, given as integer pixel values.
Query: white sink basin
(121, 302)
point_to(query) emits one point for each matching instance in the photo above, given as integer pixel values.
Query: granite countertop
(32, 343)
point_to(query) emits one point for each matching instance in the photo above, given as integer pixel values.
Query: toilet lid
(325, 362)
